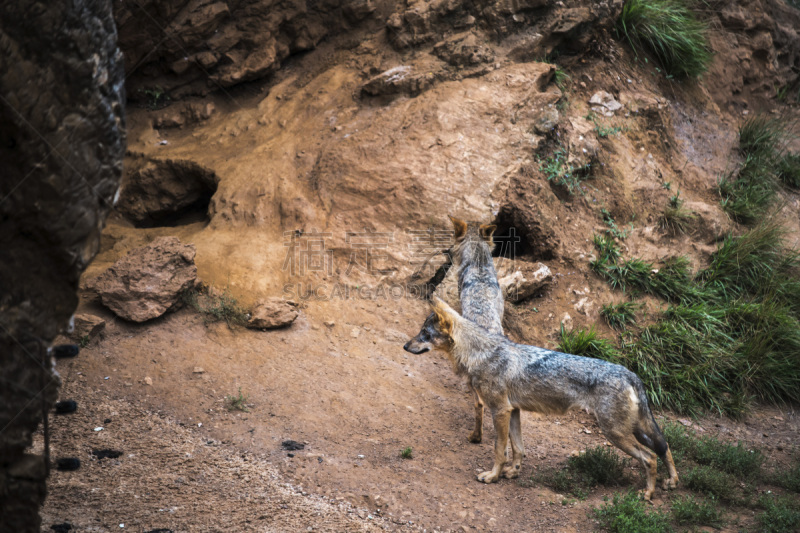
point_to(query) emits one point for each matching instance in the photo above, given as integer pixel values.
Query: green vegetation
(562, 80)
(628, 514)
(711, 482)
(670, 31)
(789, 479)
(407, 453)
(613, 230)
(689, 511)
(237, 402)
(620, 315)
(781, 515)
(84, 341)
(752, 188)
(585, 342)
(603, 131)
(731, 333)
(557, 170)
(676, 219)
(155, 97)
(596, 466)
(216, 307)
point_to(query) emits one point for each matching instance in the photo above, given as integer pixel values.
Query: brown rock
(148, 281)
(523, 283)
(87, 326)
(272, 313)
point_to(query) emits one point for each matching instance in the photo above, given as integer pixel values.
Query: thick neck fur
(472, 251)
(471, 344)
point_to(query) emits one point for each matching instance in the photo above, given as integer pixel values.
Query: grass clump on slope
(670, 31)
(731, 334)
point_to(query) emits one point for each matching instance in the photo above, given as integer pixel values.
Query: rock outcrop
(148, 281)
(61, 145)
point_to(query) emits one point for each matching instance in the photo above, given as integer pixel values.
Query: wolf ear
(444, 315)
(460, 226)
(487, 231)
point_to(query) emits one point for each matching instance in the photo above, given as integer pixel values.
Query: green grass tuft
(670, 31)
(599, 466)
(788, 170)
(619, 316)
(585, 342)
(781, 515)
(628, 514)
(689, 511)
(556, 169)
(676, 219)
(407, 453)
(789, 479)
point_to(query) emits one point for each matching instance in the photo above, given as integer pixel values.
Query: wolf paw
(511, 471)
(488, 477)
(475, 437)
(646, 494)
(670, 483)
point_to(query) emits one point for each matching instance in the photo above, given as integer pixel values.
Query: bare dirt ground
(354, 399)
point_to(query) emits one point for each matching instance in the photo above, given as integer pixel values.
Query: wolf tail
(647, 431)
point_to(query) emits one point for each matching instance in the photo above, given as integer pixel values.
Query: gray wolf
(512, 376)
(479, 293)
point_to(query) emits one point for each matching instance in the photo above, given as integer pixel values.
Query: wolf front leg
(477, 434)
(501, 418)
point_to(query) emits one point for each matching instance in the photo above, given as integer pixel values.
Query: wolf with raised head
(479, 293)
(510, 376)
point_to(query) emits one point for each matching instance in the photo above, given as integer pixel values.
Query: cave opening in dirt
(166, 193)
(510, 238)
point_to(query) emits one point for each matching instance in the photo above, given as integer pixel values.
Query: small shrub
(407, 453)
(155, 97)
(762, 135)
(736, 460)
(614, 230)
(781, 515)
(84, 341)
(563, 481)
(216, 307)
(619, 316)
(711, 482)
(680, 442)
(627, 514)
(237, 402)
(670, 31)
(600, 465)
(688, 511)
(562, 80)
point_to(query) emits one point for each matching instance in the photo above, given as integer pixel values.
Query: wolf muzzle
(411, 347)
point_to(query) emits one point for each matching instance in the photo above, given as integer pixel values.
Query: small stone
(148, 380)
(273, 313)
(355, 332)
(330, 323)
(198, 370)
(566, 321)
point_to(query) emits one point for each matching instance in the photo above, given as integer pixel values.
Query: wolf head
(473, 242)
(437, 330)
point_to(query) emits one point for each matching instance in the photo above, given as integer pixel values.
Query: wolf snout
(410, 347)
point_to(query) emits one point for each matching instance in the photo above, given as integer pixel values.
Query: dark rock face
(188, 46)
(148, 281)
(61, 147)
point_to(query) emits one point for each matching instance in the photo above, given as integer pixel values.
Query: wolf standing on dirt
(510, 376)
(478, 290)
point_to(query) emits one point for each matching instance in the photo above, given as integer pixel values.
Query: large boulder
(148, 281)
(272, 313)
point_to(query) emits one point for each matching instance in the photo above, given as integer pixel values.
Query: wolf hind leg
(672, 481)
(501, 418)
(477, 434)
(627, 443)
(512, 469)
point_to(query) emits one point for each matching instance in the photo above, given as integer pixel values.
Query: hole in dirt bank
(166, 193)
(520, 235)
